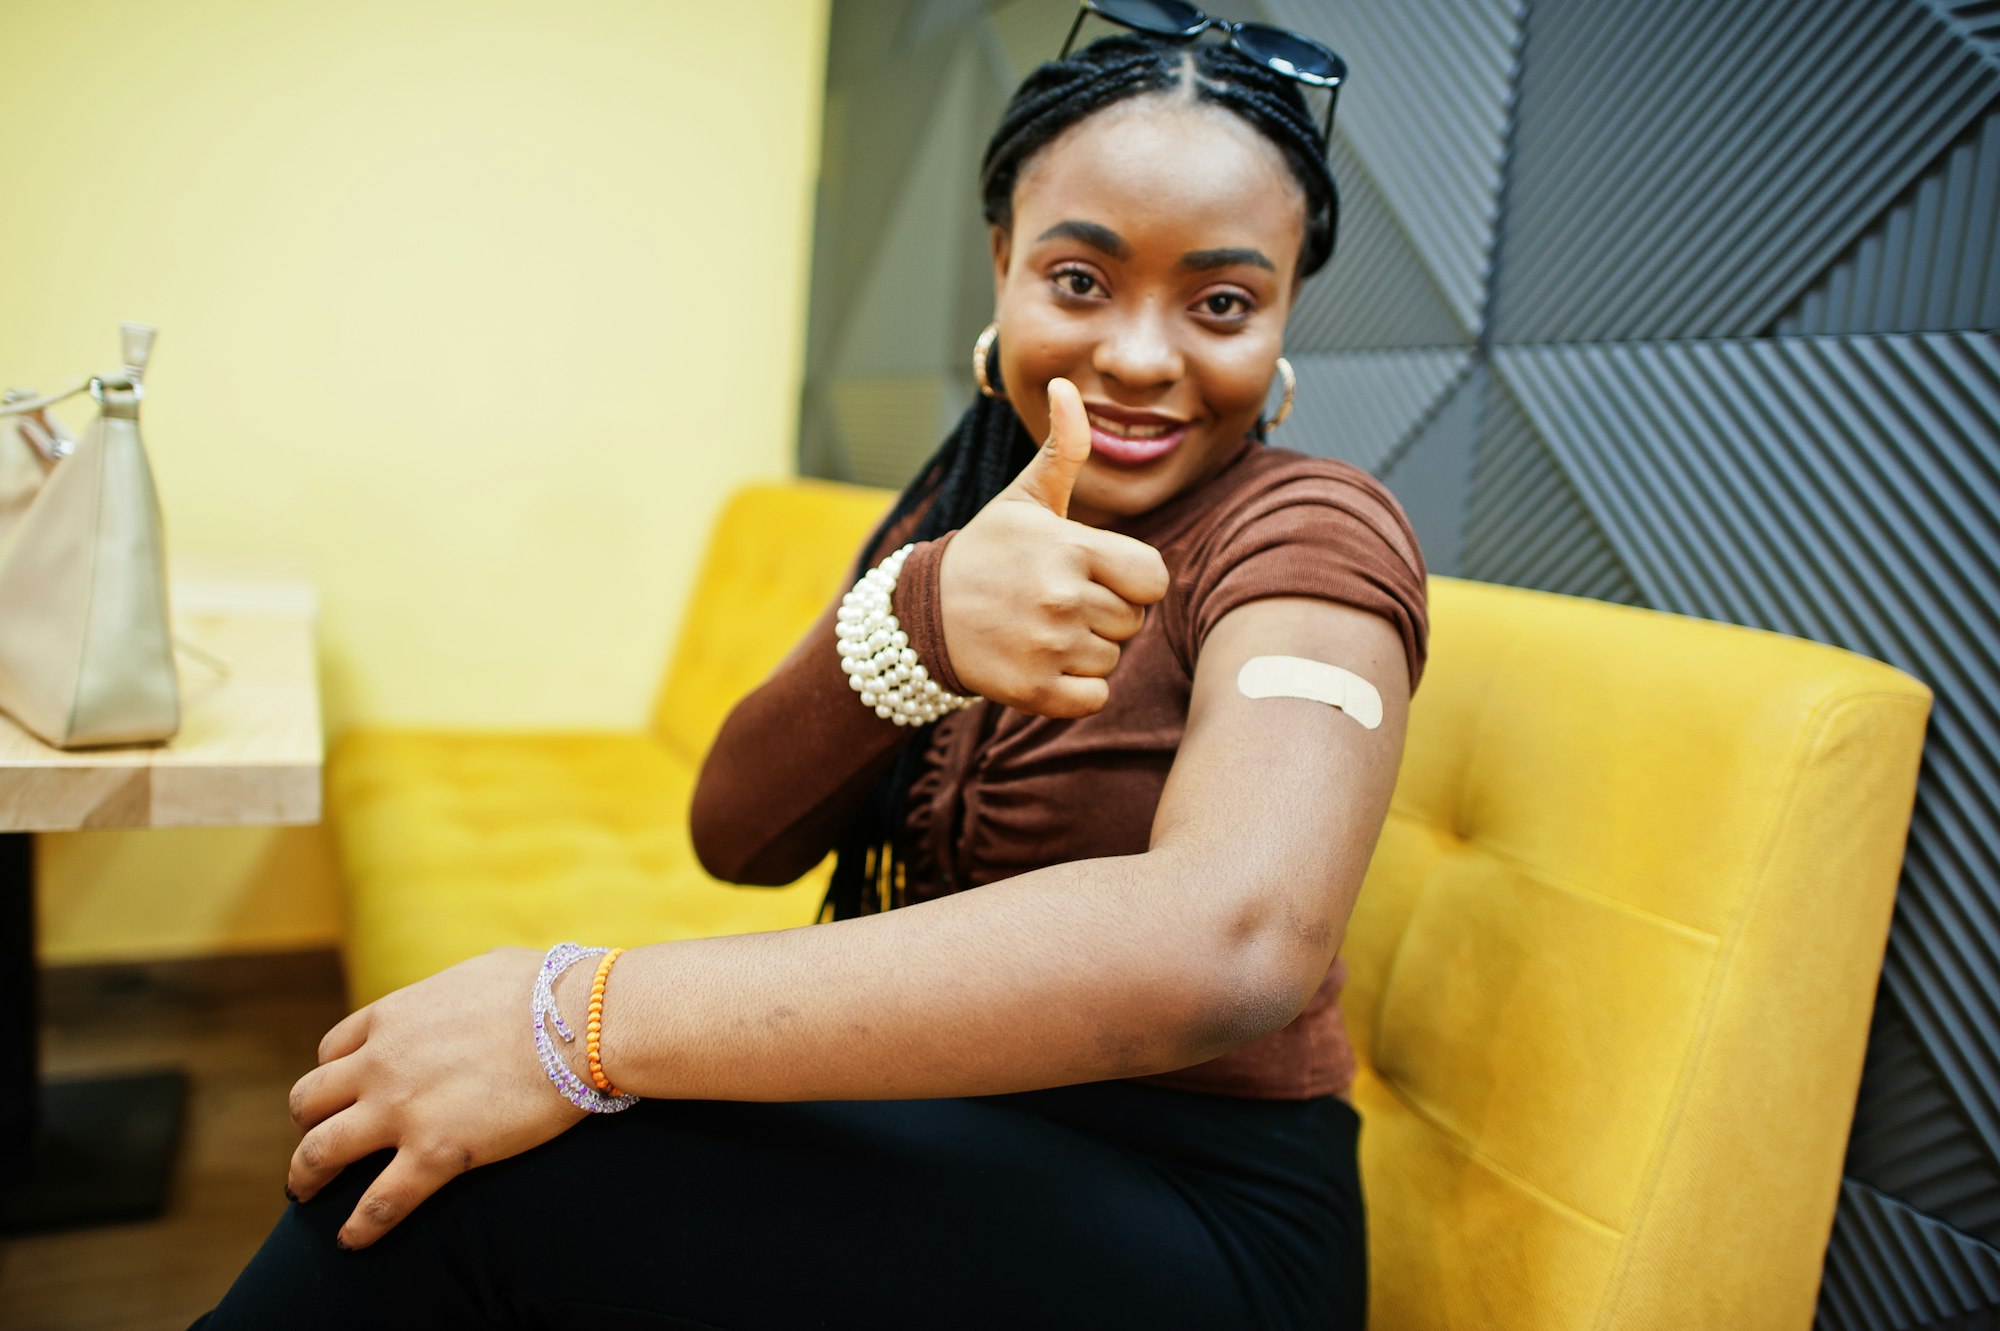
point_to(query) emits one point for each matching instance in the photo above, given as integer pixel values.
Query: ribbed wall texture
(1429, 120)
(1685, 170)
(1932, 261)
(1911, 1138)
(1978, 20)
(1365, 406)
(1680, 304)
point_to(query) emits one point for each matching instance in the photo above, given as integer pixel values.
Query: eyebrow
(1091, 234)
(1105, 239)
(1201, 260)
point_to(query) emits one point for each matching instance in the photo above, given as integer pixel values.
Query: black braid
(989, 446)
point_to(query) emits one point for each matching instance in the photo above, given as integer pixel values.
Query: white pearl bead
(876, 656)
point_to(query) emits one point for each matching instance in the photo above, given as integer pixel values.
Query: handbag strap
(135, 341)
(26, 405)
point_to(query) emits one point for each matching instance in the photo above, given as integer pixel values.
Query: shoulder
(1288, 524)
(1311, 497)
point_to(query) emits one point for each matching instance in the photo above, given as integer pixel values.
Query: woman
(1106, 1089)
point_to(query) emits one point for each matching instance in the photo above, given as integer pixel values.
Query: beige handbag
(86, 651)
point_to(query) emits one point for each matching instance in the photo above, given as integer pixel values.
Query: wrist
(573, 1001)
(559, 1034)
(919, 606)
(876, 656)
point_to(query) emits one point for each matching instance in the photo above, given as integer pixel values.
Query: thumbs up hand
(1035, 605)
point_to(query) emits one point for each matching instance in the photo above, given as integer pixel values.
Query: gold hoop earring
(1291, 389)
(979, 351)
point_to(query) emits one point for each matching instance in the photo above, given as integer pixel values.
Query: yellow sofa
(1611, 970)
(452, 842)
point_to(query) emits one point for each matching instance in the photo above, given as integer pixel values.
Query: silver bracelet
(876, 655)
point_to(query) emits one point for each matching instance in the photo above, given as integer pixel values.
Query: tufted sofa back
(1613, 965)
(778, 554)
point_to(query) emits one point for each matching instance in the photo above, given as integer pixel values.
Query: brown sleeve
(796, 757)
(920, 610)
(1329, 531)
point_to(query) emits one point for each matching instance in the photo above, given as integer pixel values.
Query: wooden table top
(250, 748)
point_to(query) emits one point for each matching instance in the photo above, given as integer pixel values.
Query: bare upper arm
(1276, 803)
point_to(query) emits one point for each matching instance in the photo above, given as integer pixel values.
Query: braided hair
(989, 446)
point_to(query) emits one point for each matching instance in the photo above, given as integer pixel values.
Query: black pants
(1106, 1205)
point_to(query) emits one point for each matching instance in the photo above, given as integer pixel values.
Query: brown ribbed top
(1001, 792)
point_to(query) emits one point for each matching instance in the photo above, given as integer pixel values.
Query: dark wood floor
(244, 1028)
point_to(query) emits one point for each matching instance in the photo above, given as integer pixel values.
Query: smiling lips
(1133, 438)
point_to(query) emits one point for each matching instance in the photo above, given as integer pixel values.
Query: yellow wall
(470, 311)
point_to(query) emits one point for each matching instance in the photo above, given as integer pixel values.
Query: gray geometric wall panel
(1932, 262)
(1432, 474)
(1680, 303)
(1979, 20)
(1525, 524)
(1426, 112)
(1942, 1275)
(1363, 406)
(1687, 170)
(1734, 478)
(1375, 292)
(1911, 1138)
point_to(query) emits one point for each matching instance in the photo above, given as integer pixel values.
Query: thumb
(1051, 474)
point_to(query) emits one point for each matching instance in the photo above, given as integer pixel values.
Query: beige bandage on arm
(1315, 681)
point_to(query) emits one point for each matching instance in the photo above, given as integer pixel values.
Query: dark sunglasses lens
(1289, 52)
(1168, 18)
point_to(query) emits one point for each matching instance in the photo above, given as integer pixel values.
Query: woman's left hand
(444, 1071)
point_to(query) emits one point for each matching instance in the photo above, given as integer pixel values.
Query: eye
(1232, 306)
(1072, 280)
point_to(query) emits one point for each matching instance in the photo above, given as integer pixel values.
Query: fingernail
(290, 1196)
(342, 1244)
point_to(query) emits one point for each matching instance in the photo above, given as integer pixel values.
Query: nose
(1139, 351)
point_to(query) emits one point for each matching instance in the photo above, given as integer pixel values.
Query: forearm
(1079, 972)
(789, 767)
(797, 757)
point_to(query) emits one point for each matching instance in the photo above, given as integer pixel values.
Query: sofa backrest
(1612, 967)
(778, 554)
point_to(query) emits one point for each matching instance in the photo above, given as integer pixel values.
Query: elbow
(716, 833)
(728, 853)
(711, 848)
(1239, 1005)
(1263, 969)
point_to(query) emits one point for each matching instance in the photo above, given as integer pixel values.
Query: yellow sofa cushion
(453, 842)
(1613, 964)
(778, 555)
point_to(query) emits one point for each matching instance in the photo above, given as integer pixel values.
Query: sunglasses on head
(1284, 53)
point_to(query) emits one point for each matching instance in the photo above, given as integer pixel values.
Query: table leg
(22, 1053)
(81, 1151)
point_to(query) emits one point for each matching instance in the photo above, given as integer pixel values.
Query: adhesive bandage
(1315, 681)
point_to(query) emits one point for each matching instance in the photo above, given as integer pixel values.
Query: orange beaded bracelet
(595, 1030)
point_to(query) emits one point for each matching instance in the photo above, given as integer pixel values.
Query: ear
(1003, 245)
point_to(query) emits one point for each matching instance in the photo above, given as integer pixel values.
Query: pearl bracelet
(876, 655)
(573, 1088)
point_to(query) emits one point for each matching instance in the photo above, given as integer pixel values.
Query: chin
(1125, 495)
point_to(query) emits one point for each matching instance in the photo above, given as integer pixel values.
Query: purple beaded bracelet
(573, 1088)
